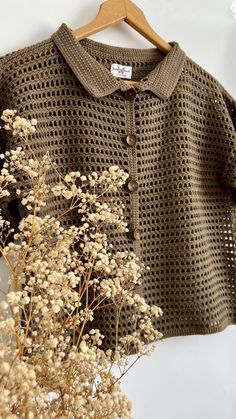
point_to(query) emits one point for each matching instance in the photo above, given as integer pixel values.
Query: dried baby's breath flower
(51, 360)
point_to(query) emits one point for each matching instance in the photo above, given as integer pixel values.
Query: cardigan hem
(199, 330)
(189, 331)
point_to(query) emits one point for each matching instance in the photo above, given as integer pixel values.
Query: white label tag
(119, 70)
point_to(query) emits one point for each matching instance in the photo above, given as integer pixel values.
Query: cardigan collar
(99, 81)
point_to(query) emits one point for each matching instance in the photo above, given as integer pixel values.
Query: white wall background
(188, 377)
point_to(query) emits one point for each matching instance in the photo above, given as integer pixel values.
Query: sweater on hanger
(174, 132)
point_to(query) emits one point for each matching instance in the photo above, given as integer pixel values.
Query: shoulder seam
(24, 50)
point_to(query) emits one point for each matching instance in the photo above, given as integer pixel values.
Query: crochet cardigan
(174, 131)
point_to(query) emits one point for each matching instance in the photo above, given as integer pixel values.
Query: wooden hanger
(112, 12)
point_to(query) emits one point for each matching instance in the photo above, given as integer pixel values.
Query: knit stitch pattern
(184, 122)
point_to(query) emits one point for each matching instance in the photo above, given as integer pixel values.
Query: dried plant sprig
(59, 277)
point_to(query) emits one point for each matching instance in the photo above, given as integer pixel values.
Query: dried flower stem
(63, 289)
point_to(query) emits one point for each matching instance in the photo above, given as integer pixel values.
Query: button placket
(132, 183)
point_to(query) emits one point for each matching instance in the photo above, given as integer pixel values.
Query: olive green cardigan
(174, 132)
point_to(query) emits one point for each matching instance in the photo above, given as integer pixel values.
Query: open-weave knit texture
(181, 210)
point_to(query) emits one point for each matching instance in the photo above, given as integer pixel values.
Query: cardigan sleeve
(229, 140)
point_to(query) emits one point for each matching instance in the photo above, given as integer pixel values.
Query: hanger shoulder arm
(110, 13)
(136, 19)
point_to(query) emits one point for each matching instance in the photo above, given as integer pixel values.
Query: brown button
(131, 139)
(137, 231)
(132, 185)
(129, 94)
